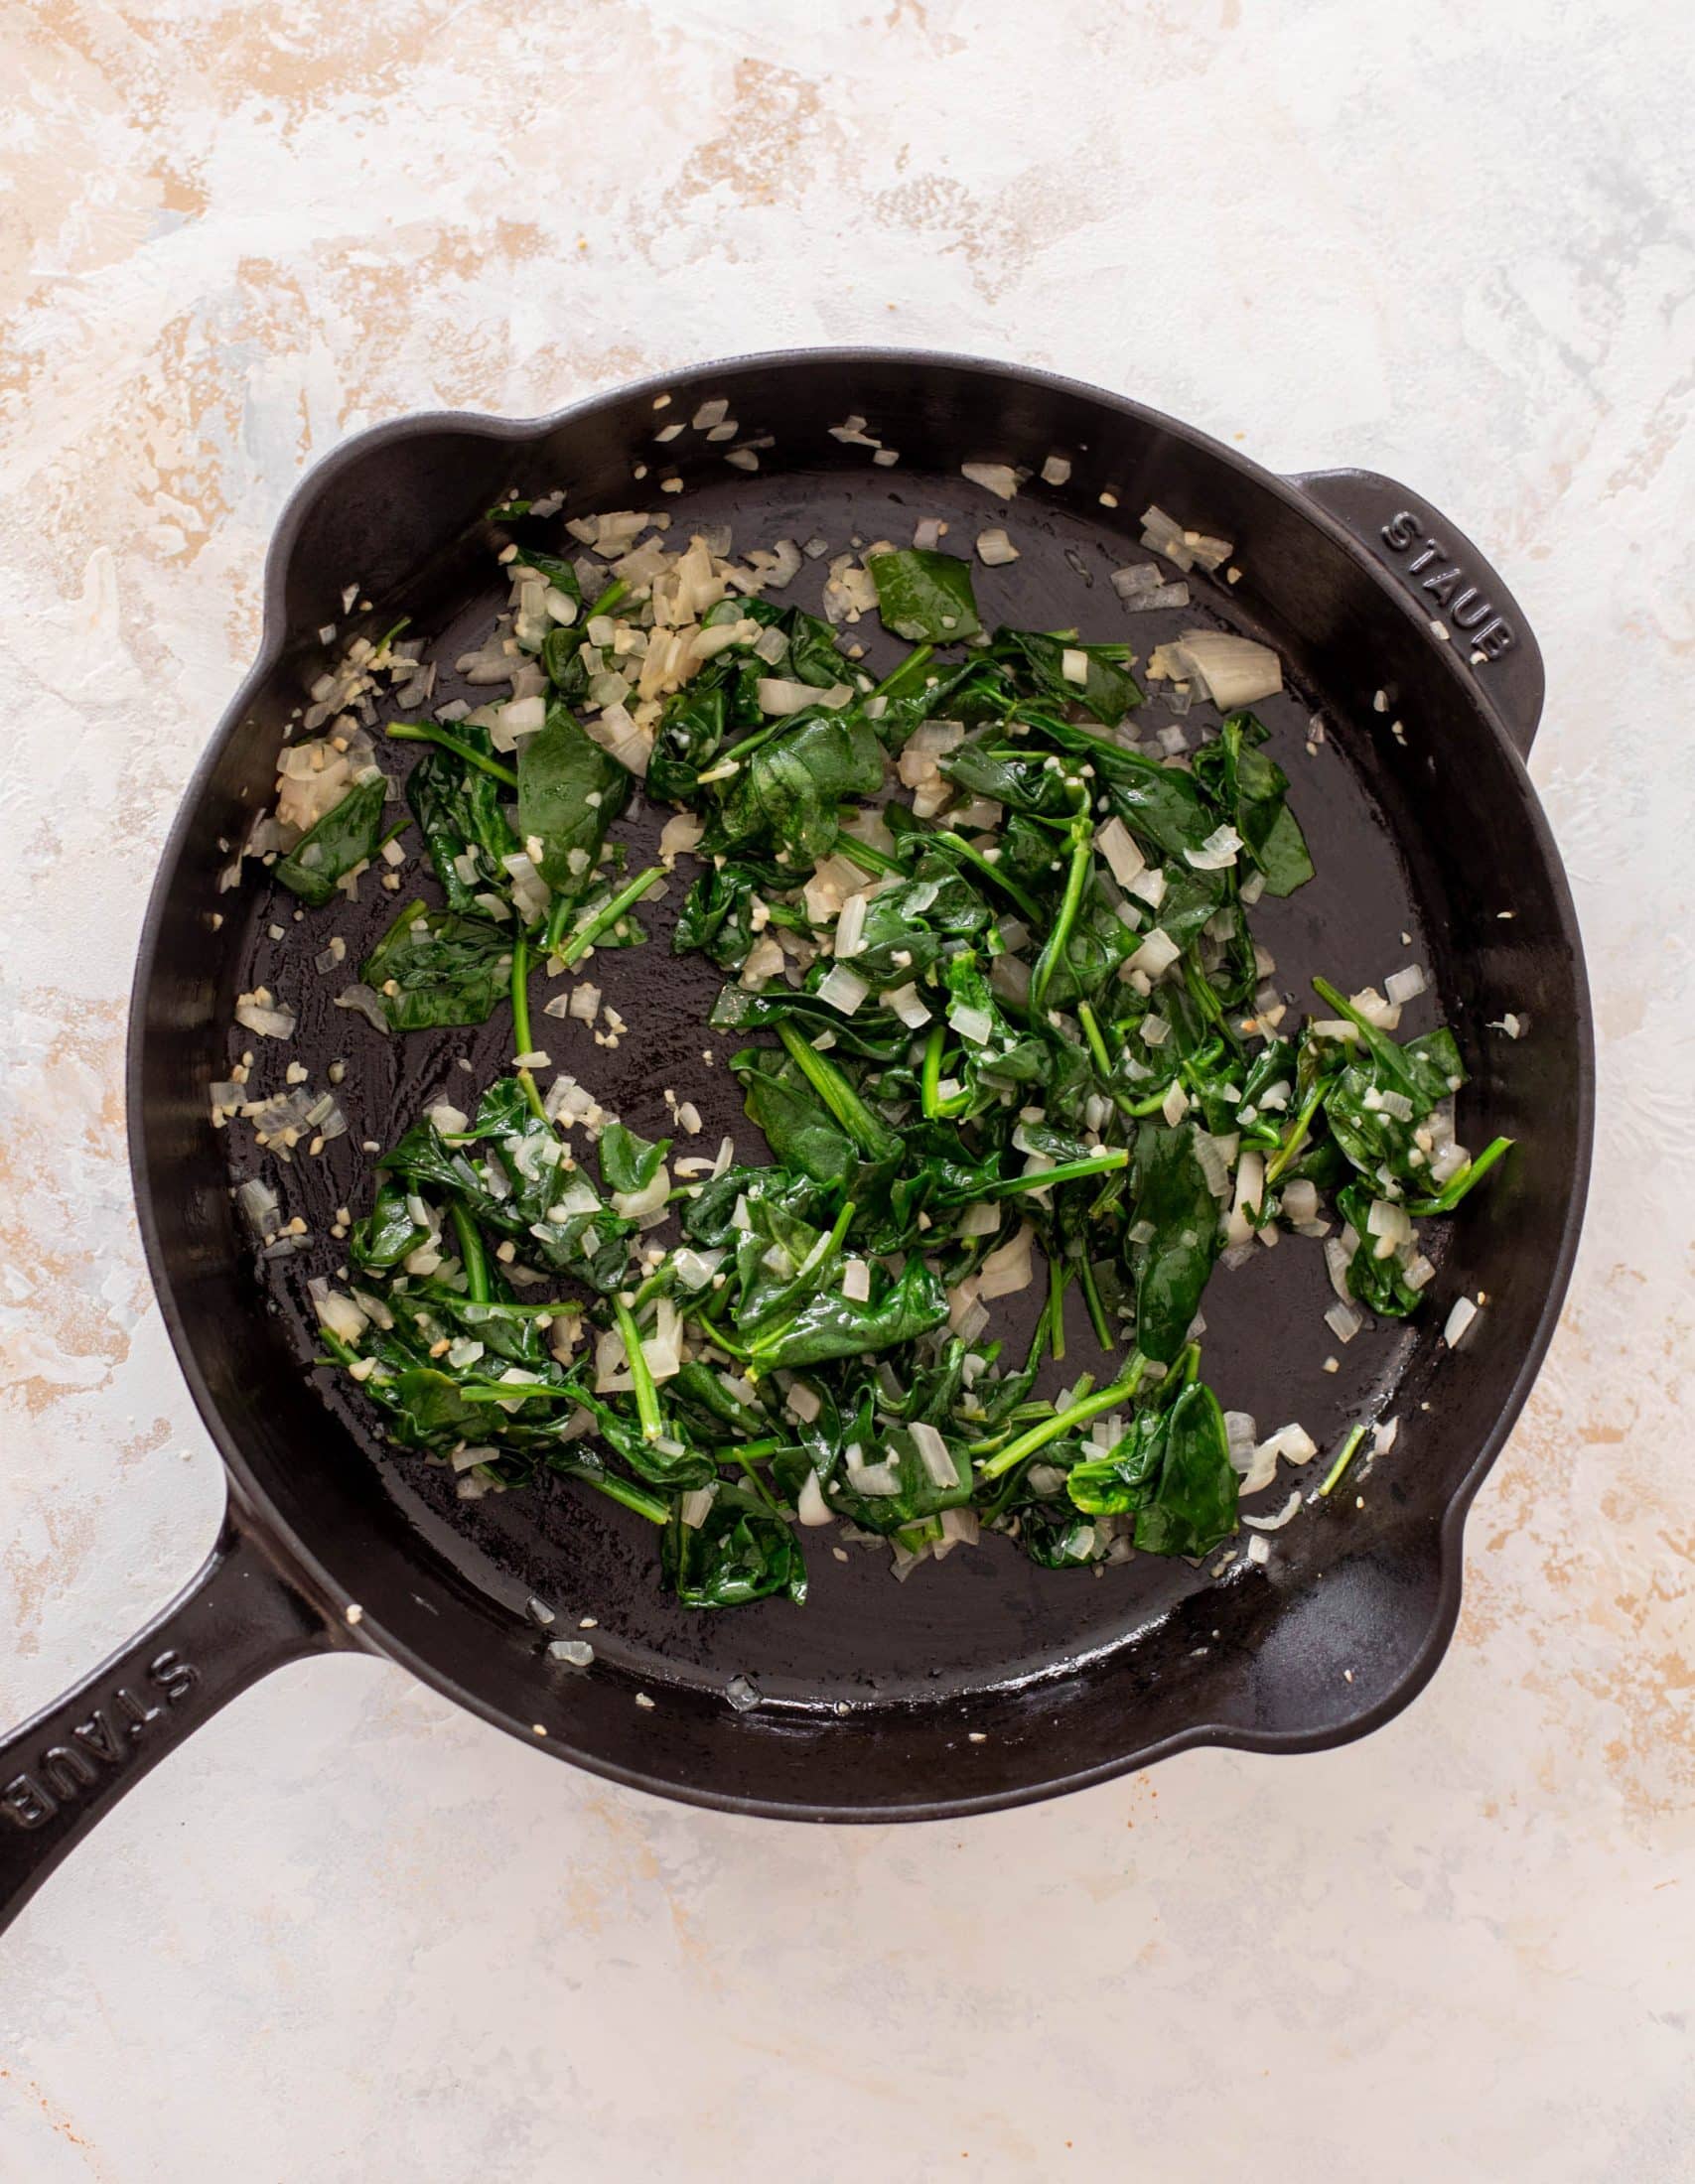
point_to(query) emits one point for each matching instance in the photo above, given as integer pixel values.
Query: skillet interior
(1066, 1675)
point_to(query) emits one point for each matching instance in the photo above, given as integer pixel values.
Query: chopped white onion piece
(1118, 845)
(995, 549)
(850, 926)
(810, 1506)
(904, 1001)
(1276, 1523)
(1337, 1255)
(779, 697)
(1342, 1322)
(1162, 535)
(269, 1024)
(682, 832)
(694, 1507)
(1300, 1201)
(804, 1402)
(1458, 1322)
(1234, 672)
(634, 1205)
(1218, 850)
(999, 479)
(1249, 1194)
(1391, 1224)
(842, 989)
(1008, 1269)
(878, 1480)
(856, 1279)
(1056, 470)
(934, 1455)
(1405, 985)
(1157, 953)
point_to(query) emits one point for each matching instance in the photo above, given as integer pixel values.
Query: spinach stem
(608, 914)
(1066, 1420)
(520, 1023)
(1065, 1172)
(1356, 1436)
(1092, 1032)
(930, 1101)
(472, 1254)
(748, 1457)
(839, 1096)
(1056, 1309)
(1009, 887)
(1455, 1187)
(646, 1392)
(919, 656)
(1076, 878)
(864, 855)
(426, 731)
(1297, 1135)
(633, 1497)
(1091, 1298)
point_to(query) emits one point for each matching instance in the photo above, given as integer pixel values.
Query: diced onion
(1276, 1523)
(1233, 671)
(1250, 1193)
(1157, 953)
(1008, 1269)
(269, 1024)
(1458, 1322)
(1342, 1322)
(1118, 845)
(843, 989)
(999, 479)
(1218, 850)
(810, 1506)
(935, 1455)
(778, 696)
(995, 549)
(850, 926)
(1405, 985)
(905, 1002)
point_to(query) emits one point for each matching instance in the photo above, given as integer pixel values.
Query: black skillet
(984, 1682)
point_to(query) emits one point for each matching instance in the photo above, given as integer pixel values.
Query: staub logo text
(1431, 570)
(98, 1746)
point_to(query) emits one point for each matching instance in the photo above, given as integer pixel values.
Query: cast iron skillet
(984, 1682)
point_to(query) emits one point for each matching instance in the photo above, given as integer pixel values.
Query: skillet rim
(252, 1504)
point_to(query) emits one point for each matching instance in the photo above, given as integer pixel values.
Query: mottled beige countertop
(351, 1933)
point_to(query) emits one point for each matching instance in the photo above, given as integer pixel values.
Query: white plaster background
(351, 1934)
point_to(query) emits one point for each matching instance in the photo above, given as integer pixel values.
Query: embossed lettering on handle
(1455, 596)
(1448, 584)
(101, 1744)
(240, 1617)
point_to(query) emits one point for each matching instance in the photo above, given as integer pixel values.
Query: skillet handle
(239, 1618)
(1451, 585)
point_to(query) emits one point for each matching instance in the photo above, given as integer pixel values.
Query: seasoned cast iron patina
(984, 1682)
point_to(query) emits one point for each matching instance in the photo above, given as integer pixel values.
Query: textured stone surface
(351, 1934)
